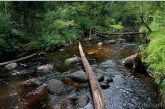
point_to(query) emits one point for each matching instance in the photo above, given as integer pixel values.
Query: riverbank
(154, 56)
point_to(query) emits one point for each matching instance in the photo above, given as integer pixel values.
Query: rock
(100, 77)
(72, 60)
(128, 62)
(61, 50)
(134, 62)
(55, 86)
(91, 53)
(32, 82)
(110, 79)
(11, 66)
(42, 54)
(112, 41)
(23, 72)
(104, 85)
(45, 68)
(101, 48)
(120, 40)
(100, 43)
(80, 76)
(83, 100)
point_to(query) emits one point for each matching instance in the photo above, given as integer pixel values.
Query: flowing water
(127, 91)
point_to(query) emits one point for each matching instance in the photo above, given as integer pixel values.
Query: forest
(44, 26)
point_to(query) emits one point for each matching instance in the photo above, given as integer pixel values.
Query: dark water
(127, 91)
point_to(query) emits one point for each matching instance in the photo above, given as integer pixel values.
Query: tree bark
(20, 59)
(149, 29)
(98, 96)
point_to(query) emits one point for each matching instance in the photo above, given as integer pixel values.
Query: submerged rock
(11, 66)
(83, 100)
(72, 60)
(45, 68)
(55, 86)
(80, 76)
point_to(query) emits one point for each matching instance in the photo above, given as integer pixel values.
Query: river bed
(127, 91)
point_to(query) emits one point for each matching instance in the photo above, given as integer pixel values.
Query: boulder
(55, 86)
(82, 101)
(128, 62)
(134, 62)
(45, 68)
(80, 76)
(100, 43)
(72, 60)
(112, 41)
(11, 66)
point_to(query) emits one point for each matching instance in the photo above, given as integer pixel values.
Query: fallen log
(97, 94)
(18, 60)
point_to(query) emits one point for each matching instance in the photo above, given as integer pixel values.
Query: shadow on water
(127, 91)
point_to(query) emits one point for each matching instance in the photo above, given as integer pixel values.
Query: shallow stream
(127, 91)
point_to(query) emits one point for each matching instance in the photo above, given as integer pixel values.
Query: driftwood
(98, 96)
(20, 59)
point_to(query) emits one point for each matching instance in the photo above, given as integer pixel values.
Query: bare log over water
(20, 59)
(98, 96)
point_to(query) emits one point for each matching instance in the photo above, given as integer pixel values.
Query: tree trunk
(98, 96)
(149, 29)
(20, 59)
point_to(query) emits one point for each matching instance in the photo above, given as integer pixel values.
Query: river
(127, 91)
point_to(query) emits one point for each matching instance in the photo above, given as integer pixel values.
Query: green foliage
(8, 35)
(117, 26)
(47, 42)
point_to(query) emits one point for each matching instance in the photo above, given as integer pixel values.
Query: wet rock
(104, 85)
(80, 76)
(100, 77)
(55, 86)
(23, 72)
(32, 82)
(110, 79)
(42, 54)
(72, 60)
(100, 43)
(83, 100)
(112, 41)
(61, 50)
(120, 40)
(101, 48)
(91, 53)
(45, 68)
(128, 62)
(11, 66)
